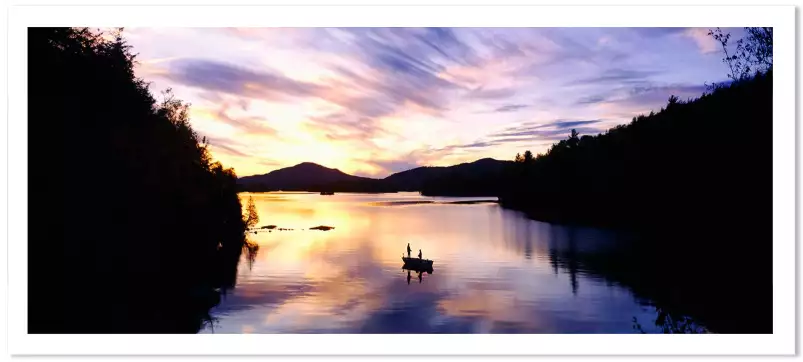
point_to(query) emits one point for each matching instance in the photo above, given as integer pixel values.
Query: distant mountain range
(310, 176)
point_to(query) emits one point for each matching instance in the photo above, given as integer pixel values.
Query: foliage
(753, 52)
(145, 222)
(694, 178)
(251, 216)
(667, 324)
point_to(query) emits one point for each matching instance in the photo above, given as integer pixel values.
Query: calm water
(495, 271)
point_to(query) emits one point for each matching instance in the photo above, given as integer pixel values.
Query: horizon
(378, 178)
(376, 101)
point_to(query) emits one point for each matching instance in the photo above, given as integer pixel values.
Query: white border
(784, 316)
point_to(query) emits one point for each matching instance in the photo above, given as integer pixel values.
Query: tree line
(132, 224)
(694, 180)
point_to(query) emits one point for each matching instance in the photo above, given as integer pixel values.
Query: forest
(133, 228)
(693, 181)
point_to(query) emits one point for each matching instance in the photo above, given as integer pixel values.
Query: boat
(327, 193)
(417, 264)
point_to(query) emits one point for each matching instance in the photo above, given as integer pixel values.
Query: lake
(495, 271)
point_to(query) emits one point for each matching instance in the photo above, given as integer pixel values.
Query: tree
(673, 100)
(670, 177)
(528, 156)
(574, 139)
(753, 52)
(756, 48)
(251, 217)
(519, 158)
(730, 60)
(180, 209)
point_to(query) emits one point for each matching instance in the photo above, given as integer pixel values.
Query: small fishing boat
(327, 193)
(417, 264)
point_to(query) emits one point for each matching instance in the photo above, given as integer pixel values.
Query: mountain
(479, 178)
(309, 176)
(413, 179)
(421, 178)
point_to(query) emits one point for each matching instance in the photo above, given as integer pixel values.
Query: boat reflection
(419, 273)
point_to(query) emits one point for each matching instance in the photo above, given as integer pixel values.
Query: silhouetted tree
(753, 52)
(574, 139)
(756, 49)
(684, 179)
(528, 156)
(145, 224)
(251, 217)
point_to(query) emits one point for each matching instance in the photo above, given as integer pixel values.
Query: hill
(479, 178)
(310, 176)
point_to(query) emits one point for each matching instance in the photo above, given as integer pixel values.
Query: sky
(375, 101)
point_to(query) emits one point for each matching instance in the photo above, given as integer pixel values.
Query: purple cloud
(369, 78)
(233, 79)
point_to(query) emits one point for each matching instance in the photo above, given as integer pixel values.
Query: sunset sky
(374, 101)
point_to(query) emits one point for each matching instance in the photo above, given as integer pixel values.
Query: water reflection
(498, 272)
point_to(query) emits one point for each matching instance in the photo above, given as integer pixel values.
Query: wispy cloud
(228, 146)
(511, 107)
(531, 132)
(490, 94)
(374, 100)
(246, 123)
(617, 76)
(506, 108)
(344, 126)
(232, 79)
(650, 95)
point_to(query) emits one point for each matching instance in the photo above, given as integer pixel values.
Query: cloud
(658, 95)
(445, 43)
(531, 128)
(658, 32)
(511, 107)
(375, 99)
(498, 93)
(570, 124)
(249, 124)
(647, 95)
(532, 132)
(407, 64)
(705, 42)
(228, 146)
(507, 108)
(236, 80)
(592, 99)
(617, 76)
(344, 126)
(351, 86)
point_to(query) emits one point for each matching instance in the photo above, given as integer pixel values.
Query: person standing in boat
(409, 250)
(419, 253)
